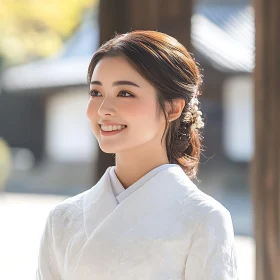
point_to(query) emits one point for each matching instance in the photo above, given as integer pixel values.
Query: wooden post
(120, 16)
(266, 163)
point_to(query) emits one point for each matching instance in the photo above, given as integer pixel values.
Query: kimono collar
(100, 201)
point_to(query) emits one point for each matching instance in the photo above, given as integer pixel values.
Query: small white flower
(194, 115)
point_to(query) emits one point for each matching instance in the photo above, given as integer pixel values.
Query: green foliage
(37, 28)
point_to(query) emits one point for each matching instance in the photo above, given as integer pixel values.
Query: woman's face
(120, 95)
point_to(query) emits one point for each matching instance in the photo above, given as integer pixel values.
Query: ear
(175, 112)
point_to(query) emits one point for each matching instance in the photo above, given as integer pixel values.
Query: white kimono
(162, 227)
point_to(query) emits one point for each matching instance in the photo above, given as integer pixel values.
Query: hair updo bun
(169, 67)
(184, 138)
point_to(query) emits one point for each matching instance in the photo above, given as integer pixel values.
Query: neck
(133, 164)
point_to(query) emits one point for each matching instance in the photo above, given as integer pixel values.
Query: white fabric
(166, 229)
(117, 187)
(121, 193)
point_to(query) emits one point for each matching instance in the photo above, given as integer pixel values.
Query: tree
(32, 29)
(266, 162)
(171, 17)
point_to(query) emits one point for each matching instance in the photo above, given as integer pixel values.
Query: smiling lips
(112, 130)
(112, 127)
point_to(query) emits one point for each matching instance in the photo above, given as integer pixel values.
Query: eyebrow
(117, 83)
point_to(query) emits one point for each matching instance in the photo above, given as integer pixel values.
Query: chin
(115, 149)
(109, 149)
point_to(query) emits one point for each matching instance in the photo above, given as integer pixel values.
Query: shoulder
(205, 209)
(214, 219)
(207, 204)
(76, 204)
(190, 196)
(197, 206)
(69, 210)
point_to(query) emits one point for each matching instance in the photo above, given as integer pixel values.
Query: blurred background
(47, 150)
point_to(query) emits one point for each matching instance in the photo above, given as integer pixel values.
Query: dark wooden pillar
(266, 162)
(171, 17)
(120, 16)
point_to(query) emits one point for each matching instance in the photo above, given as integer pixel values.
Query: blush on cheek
(144, 117)
(139, 110)
(91, 111)
(88, 110)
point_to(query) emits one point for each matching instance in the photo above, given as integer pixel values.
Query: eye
(93, 92)
(126, 93)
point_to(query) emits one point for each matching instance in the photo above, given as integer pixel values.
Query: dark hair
(169, 67)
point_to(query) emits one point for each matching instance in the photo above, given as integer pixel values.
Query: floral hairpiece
(193, 115)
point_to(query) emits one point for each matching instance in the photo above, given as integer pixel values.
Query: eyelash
(92, 92)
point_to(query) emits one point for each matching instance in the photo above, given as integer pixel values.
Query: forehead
(116, 68)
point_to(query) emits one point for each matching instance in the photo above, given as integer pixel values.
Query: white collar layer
(121, 193)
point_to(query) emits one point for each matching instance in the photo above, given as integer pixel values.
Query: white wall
(238, 118)
(68, 134)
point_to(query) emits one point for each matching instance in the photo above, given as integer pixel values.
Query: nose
(107, 107)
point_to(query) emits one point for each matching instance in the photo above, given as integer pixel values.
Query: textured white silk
(165, 229)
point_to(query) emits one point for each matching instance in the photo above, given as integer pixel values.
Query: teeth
(112, 127)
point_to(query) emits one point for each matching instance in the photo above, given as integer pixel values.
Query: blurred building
(42, 112)
(42, 106)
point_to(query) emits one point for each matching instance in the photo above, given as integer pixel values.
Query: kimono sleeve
(212, 255)
(47, 264)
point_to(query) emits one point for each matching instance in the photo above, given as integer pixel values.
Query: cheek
(142, 117)
(139, 110)
(91, 110)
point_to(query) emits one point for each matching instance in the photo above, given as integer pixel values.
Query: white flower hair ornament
(193, 115)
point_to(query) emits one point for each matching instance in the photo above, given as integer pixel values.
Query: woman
(145, 218)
